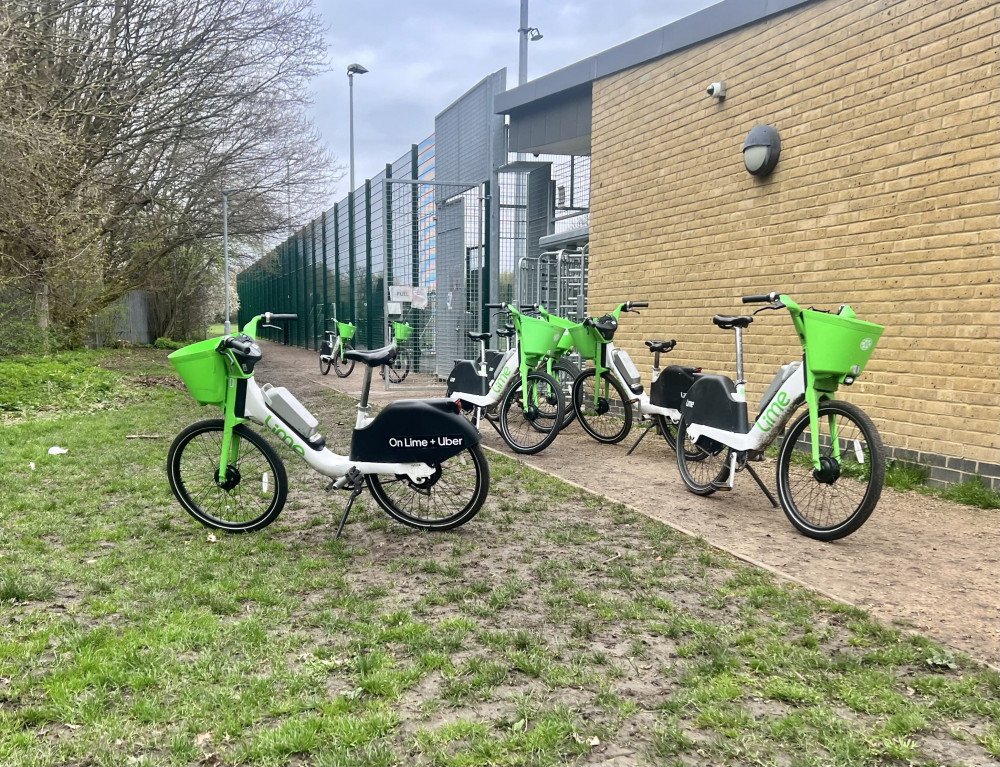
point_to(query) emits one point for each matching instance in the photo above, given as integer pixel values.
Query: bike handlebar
(268, 317)
(762, 298)
(493, 306)
(638, 304)
(232, 343)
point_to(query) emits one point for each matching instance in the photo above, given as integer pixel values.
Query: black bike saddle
(479, 336)
(373, 357)
(728, 323)
(661, 346)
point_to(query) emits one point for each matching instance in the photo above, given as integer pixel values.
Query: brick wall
(885, 197)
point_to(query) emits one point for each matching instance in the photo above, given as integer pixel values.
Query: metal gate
(436, 253)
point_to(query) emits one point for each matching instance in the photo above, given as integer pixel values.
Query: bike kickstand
(761, 485)
(356, 481)
(641, 438)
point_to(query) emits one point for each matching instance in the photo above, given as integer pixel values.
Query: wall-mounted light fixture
(761, 150)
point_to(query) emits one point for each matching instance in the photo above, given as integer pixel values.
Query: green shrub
(64, 381)
(167, 343)
(19, 332)
(974, 492)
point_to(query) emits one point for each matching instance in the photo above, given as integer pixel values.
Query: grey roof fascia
(707, 23)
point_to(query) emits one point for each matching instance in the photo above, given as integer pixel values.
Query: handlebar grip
(282, 317)
(588, 322)
(493, 306)
(528, 307)
(232, 343)
(639, 304)
(764, 298)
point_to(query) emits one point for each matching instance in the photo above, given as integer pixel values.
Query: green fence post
(326, 295)
(315, 291)
(336, 261)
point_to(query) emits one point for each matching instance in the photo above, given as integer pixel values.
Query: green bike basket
(537, 337)
(203, 371)
(838, 345)
(346, 330)
(586, 341)
(565, 340)
(403, 330)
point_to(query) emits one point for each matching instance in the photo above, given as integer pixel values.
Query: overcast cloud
(424, 55)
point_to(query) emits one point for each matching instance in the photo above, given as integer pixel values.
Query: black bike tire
(398, 374)
(571, 371)
(625, 403)
(683, 460)
(342, 367)
(506, 403)
(192, 507)
(324, 365)
(872, 493)
(467, 512)
(669, 431)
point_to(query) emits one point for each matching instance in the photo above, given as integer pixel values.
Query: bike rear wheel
(565, 373)
(343, 367)
(608, 420)
(249, 497)
(703, 463)
(450, 497)
(835, 500)
(529, 423)
(400, 368)
(324, 364)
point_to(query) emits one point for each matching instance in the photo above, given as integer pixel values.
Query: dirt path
(919, 562)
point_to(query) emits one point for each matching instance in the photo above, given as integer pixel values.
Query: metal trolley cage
(557, 278)
(437, 257)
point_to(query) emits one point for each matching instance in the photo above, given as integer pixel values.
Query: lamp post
(225, 251)
(353, 69)
(524, 32)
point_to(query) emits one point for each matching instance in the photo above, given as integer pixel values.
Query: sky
(424, 54)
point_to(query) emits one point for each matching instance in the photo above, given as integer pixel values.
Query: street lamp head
(226, 192)
(534, 35)
(356, 69)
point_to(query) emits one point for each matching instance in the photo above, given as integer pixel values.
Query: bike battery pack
(628, 371)
(414, 431)
(710, 402)
(291, 411)
(672, 386)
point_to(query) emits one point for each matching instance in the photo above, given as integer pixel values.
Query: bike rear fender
(414, 431)
(712, 401)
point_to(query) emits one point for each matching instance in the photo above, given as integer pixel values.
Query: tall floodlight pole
(353, 69)
(525, 33)
(225, 251)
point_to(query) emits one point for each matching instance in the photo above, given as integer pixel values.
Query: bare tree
(121, 122)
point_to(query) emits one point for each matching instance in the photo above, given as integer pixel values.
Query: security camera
(716, 90)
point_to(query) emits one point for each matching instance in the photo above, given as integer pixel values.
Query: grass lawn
(554, 628)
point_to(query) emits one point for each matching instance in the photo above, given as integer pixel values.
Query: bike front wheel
(703, 463)
(343, 367)
(603, 408)
(248, 498)
(448, 498)
(529, 421)
(668, 428)
(833, 501)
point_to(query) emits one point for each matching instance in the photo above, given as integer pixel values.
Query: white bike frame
(641, 400)
(324, 461)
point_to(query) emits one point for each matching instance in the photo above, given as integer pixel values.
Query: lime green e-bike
(831, 464)
(420, 459)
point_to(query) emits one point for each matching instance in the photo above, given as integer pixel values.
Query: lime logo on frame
(284, 436)
(773, 413)
(866, 344)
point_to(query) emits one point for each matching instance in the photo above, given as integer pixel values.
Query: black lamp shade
(761, 150)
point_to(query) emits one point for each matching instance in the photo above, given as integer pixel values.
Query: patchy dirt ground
(919, 562)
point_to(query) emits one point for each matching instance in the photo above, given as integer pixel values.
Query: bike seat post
(656, 363)
(366, 386)
(740, 381)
